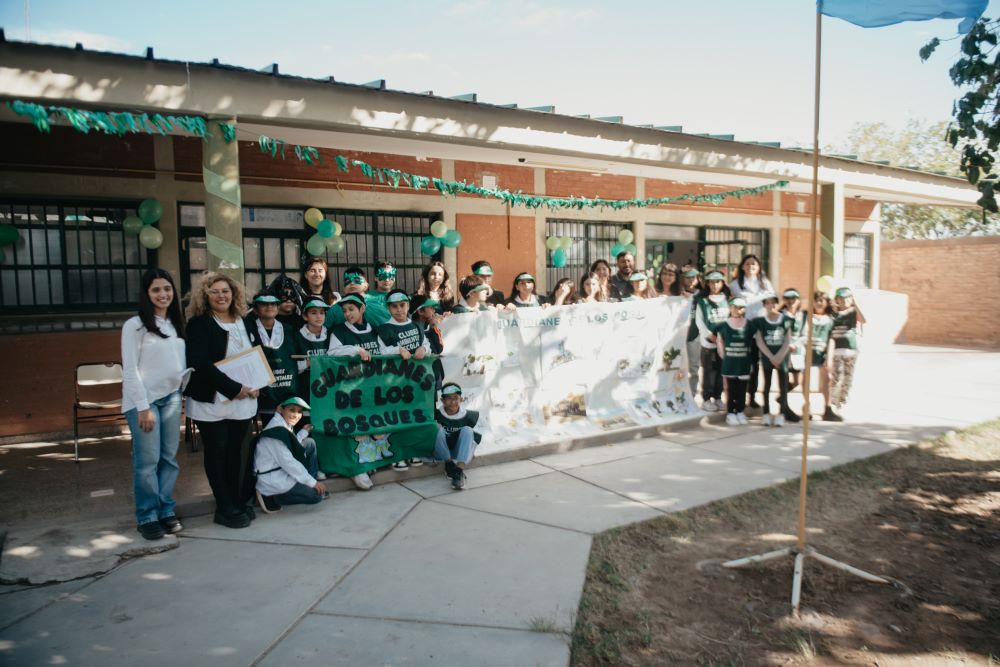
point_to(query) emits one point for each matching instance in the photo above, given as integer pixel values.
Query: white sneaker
(733, 419)
(767, 420)
(362, 481)
(320, 476)
(779, 420)
(710, 406)
(742, 418)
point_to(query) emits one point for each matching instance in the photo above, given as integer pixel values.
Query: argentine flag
(878, 13)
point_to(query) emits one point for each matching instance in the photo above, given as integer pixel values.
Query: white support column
(541, 286)
(831, 253)
(448, 210)
(639, 225)
(775, 242)
(220, 167)
(876, 216)
(168, 255)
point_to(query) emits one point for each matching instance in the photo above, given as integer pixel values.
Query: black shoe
(171, 525)
(458, 479)
(268, 503)
(450, 469)
(753, 403)
(249, 511)
(239, 520)
(152, 530)
(791, 417)
(830, 416)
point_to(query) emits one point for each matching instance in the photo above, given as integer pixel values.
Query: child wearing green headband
(733, 339)
(285, 464)
(474, 292)
(848, 323)
(456, 440)
(711, 308)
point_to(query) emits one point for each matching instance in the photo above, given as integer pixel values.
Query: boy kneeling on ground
(286, 465)
(456, 441)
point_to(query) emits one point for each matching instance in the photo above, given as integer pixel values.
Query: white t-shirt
(223, 408)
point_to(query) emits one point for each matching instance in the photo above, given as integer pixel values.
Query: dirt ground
(927, 517)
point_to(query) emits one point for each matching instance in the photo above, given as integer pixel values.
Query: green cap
(484, 270)
(479, 288)
(791, 294)
(715, 275)
(266, 298)
(451, 388)
(768, 296)
(738, 301)
(637, 276)
(429, 303)
(315, 303)
(691, 273)
(397, 297)
(352, 298)
(843, 292)
(295, 400)
(524, 276)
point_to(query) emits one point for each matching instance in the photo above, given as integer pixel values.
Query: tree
(920, 145)
(976, 127)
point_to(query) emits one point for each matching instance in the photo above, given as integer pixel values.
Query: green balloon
(631, 248)
(625, 236)
(325, 228)
(566, 242)
(9, 234)
(316, 245)
(617, 249)
(335, 244)
(438, 229)
(430, 245)
(559, 258)
(150, 211)
(552, 243)
(150, 237)
(132, 224)
(451, 239)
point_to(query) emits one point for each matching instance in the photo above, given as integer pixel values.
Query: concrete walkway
(412, 573)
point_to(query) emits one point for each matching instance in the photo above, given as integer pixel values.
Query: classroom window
(274, 243)
(858, 259)
(592, 240)
(71, 257)
(724, 247)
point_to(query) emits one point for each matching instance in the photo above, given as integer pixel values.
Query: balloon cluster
(328, 234)
(148, 213)
(828, 284)
(625, 238)
(440, 236)
(559, 245)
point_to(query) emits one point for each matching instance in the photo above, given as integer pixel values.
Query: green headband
(266, 298)
(484, 270)
(715, 275)
(397, 297)
(451, 388)
(315, 303)
(352, 298)
(525, 277)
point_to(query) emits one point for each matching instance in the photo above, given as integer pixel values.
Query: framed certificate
(249, 368)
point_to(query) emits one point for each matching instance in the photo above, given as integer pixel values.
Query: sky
(742, 67)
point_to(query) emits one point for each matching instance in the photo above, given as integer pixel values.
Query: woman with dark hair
(435, 284)
(668, 283)
(564, 293)
(751, 283)
(221, 406)
(522, 293)
(315, 281)
(152, 369)
(602, 270)
(591, 289)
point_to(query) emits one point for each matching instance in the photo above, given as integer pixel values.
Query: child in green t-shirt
(772, 335)
(847, 324)
(733, 343)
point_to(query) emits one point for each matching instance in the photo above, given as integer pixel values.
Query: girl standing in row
(847, 325)
(751, 283)
(822, 356)
(733, 343)
(711, 309)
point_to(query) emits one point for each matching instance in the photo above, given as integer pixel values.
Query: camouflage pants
(843, 375)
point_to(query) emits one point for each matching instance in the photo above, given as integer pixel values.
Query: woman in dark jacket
(220, 406)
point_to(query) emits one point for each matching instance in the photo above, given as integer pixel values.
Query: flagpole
(801, 549)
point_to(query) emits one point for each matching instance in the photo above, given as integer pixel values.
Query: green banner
(368, 415)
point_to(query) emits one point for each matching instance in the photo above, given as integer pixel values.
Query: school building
(73, 277)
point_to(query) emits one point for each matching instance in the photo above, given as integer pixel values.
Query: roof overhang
(351, 117)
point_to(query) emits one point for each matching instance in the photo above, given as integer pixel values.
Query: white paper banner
(538, 375)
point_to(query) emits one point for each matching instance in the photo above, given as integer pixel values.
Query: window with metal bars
(274, 243)
(724, 247)
(71, 257)
(592, 240)
(858, 259)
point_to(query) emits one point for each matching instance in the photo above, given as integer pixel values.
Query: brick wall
(485, 237)
(581, 184)
(65, 151)
(950, 284)
(656, 188)
(793, 248)
(40, 377)
(508, 177)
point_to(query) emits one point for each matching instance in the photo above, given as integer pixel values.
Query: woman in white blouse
(153, 366)
(751, 283)
(220, 406)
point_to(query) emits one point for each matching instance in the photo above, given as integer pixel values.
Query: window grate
(592, 240)
(71, 257)
(858, 259)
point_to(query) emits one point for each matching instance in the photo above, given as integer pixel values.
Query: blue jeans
(464, 448)
(154, 459)
(312, 460)
(300, 494)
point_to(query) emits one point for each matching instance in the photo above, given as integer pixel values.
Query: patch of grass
(801, 641)
(543, 624)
